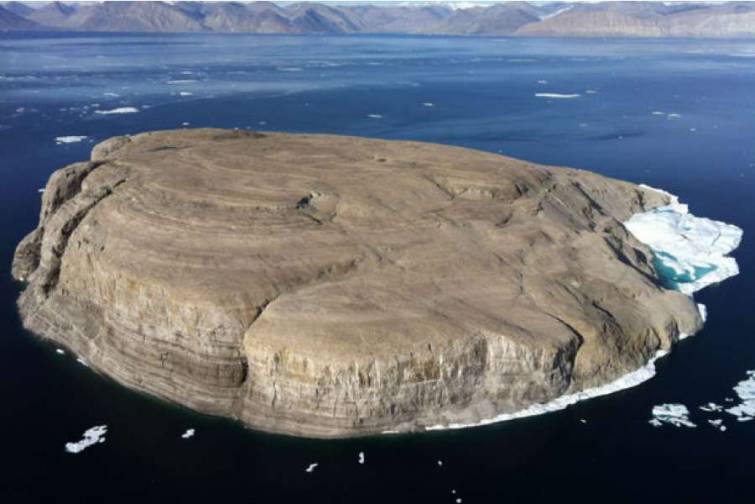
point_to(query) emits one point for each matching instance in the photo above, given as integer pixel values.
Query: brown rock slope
(335, 286)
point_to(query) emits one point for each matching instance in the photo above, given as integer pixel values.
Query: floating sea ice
(689, 252)
(440, 463)
(557, 95)
(189, 433)
(82, 362)
(718, 423)
(745, 410)
(111, 94)
(542, 82)
(582, 420)
(60, 351)
(120, 110)
(41, 190)
(673, 116)
(185, 93)
(711, 406)
(361, 457)
(311, 467)
(673, 414)
(181, 81)
(69, 139)
(91, 437)
(590, 91)
(428, 104)
(184, 124)
(658, 113)
(375, 116)
(703, 310)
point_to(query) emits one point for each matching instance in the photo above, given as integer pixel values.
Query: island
(335, 286)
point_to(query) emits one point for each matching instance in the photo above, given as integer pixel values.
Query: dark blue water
(483, 96)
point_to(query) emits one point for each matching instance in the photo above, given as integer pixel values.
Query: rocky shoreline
(329, 286)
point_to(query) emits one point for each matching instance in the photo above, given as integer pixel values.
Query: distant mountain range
(555, 19)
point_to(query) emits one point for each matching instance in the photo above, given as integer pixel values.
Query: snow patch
(91, 437)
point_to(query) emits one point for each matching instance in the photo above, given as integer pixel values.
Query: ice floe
(658, 113)
(711, 407)
(629, 380)
(672, 414)
(375, 116)
(185, 93)
(91, 437)
(690, 252)
(189, 433)
(119, 110)
(590, 91)
(745, 410)
(60, 351)
(311, 467)
(70, 139)
(718, 424)
(673, 116)
(361, 457)
(181, 81)
(557, 95)
(428, 104)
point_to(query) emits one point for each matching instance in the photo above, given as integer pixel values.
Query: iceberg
(189, 433)
(91, 437)
(690, 252)
(311, 467)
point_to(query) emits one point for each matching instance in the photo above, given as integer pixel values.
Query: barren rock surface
(334, 286)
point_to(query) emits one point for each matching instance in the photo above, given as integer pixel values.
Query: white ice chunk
(311, 467)
(119, 110)
(711, 406)
(745, 410)
(658, 113)
(70, 139)
(673, 116)
(185, 93)
(60, 351)
(428, 104)
(673, 414)
(181, 81)
(703, 311)
(189, 433)
(91, 437)
(557, 95)
(375, 116)
(361, 457)
(690, 251)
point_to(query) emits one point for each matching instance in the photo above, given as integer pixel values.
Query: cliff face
(333, 286)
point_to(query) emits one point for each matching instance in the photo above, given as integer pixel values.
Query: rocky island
(331, 286)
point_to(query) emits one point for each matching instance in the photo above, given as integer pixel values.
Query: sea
(674, 114)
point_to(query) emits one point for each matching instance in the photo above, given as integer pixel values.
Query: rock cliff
(334, 286)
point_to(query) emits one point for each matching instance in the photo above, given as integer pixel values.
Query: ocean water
(674, 114)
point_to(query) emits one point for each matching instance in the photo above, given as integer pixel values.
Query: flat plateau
(331, 286)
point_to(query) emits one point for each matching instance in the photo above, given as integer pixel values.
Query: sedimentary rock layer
(334, 286)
